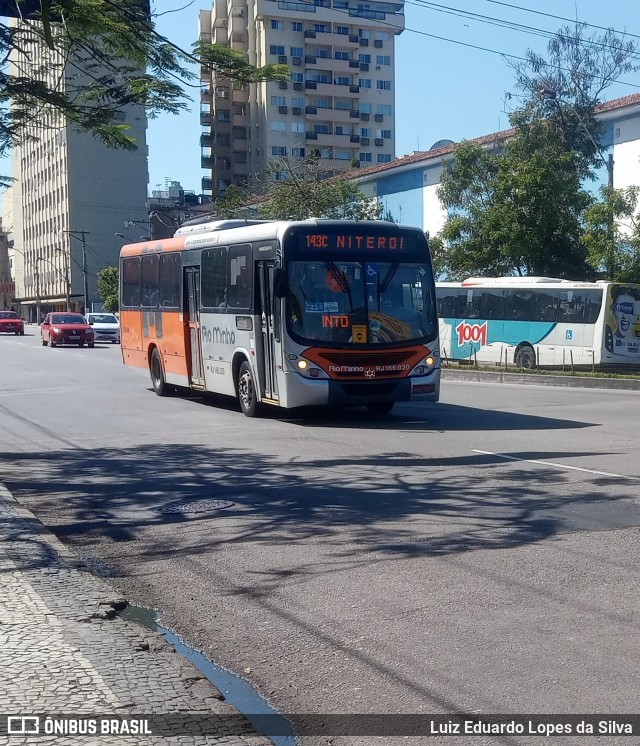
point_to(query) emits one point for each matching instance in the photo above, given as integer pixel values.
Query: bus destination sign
(356, 242)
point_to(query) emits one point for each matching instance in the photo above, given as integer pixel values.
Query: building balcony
(239, 144)
(240, 169)
(205, 95)
(239, 120)
(206, 162)
(207, 184)
(206, 118)
(320, 139)
(206, 140)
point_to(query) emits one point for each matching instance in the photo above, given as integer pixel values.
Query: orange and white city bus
(315, 312)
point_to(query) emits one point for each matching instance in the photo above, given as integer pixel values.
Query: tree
(108, 288)
(297, 191)
(612, 234)
(519, 208)
(96, 57)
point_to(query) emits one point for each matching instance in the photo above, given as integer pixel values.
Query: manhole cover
(196, 506)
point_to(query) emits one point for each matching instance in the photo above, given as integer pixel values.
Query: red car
(11, 323)
(66, 329)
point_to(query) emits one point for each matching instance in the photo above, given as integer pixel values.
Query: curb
(539, 379)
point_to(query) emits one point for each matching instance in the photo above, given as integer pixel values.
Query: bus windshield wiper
(343, 283)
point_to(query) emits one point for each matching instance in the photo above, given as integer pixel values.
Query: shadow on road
(393, 504)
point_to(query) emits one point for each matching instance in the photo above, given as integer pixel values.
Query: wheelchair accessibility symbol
(569, 334)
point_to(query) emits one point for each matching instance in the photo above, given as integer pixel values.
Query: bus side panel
(133, 352)
(141, 330)
(220, 339)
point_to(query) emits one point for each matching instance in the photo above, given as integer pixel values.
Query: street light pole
(67, 279)
(85, 280)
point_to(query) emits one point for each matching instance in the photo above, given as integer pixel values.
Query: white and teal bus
(539, 322)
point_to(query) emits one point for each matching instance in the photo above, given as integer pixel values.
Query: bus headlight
(425, 366)
(305, 367)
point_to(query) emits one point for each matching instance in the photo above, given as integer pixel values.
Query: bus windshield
(360, 302)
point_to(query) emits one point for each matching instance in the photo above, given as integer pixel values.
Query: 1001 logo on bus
(471, 333)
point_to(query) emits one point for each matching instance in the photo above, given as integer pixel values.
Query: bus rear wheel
(157, 374)
(526, 357)
(380, 407)
(247, 394)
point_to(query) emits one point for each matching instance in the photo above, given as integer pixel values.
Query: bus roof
(217, 232)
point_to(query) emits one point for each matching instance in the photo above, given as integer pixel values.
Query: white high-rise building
(339, 102)
(70, 196)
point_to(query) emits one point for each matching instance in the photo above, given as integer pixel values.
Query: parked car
(66, 329)
(11, 323)
(106, 327)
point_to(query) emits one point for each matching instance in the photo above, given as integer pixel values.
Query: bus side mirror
(278, 283)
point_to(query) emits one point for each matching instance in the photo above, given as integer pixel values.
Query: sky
(456, 86)
(444, 89)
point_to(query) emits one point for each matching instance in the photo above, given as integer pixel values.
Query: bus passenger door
(267, 361)
(192, 308)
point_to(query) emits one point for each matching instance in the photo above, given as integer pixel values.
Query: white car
(106, 327)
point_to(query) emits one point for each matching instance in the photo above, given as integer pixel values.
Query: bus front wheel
(157, 374)
(247, 394)
(526, 357)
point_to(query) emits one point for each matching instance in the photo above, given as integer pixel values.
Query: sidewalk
(64, 650)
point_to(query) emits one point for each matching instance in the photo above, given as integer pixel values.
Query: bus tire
(157, 374)
(380, 408)
(247, 393)
(526, 357)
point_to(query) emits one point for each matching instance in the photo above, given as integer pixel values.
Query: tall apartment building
(338, 103)
(70, 196)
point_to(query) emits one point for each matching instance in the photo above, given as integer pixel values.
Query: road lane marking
(556, 466)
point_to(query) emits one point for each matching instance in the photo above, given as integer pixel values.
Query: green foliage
(612, 234)
(104, 56)
(520, 206)
(108, 288)
(232, 204)
(304, 191)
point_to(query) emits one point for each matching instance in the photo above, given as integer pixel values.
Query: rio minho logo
(23, 725)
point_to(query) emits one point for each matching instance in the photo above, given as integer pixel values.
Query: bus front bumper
(303, 392)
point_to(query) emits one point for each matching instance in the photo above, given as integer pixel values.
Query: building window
(365, 157)
(365, 108)
(343, 155)
(276, 49)
(344, 30)
(365, 82)
(341, 129)
(297, 152)
(342, 80)
(342, 105)
(385, 134)
(222, 115)
(298, 127)
(364, 58)
(383, 59)
(321, 28)
(322, 129)
(383, 35)
(342, 55)
(278, 101)
(297, 77)
(364, 33)
(297, 51)
(383, 85)
(383, 158)
(296, 26)
(320, 103)
(277, 25)
(366, 132)
(383, 109)
(280, 176)
(295, 101)
(278, 150)
(277, 126)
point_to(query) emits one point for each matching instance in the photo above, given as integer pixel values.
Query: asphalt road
(481, 554)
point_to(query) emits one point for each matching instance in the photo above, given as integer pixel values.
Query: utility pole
(85, 280)
(37, 277)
